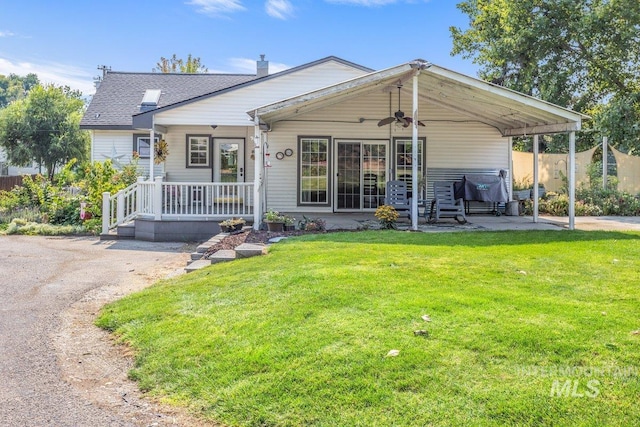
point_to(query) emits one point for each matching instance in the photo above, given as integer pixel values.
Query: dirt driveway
(57, 369)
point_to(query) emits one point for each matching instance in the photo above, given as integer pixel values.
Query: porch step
(127, 231)
(222, 256)
(247, 250)
(109, 236)
(197, 265)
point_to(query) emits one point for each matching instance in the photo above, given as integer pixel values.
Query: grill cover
(483, 188)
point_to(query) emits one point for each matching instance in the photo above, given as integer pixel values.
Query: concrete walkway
(355, 221)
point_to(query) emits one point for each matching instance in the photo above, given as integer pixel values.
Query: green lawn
(528, 328)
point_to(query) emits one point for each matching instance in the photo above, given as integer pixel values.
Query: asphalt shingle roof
(119, 96)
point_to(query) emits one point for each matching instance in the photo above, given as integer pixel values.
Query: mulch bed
(249, 236)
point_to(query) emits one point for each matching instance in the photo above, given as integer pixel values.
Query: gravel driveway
(58, 369)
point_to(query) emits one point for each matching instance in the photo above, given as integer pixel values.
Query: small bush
(387, 215)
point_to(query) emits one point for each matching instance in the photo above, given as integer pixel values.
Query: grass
(300, 336)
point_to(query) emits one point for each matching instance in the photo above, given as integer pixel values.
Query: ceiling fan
(398, 116)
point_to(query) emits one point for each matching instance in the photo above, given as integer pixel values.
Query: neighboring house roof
(120, 94)
(511, 112)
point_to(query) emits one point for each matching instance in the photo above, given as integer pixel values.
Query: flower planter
(275, 226)
(290, 227)
(522, 194)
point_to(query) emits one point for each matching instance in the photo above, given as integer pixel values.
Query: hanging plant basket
(161, 150)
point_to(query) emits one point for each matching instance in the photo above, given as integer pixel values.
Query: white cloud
(280, 9)
(217, 7)
(58, 74)
(248, 66)
(6, 34)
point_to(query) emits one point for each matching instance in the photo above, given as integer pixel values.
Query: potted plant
(289, 223)
(233, 224)
(522, 189)
(275, 221)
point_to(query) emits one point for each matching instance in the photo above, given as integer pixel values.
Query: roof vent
(262, 67)
(150, 99)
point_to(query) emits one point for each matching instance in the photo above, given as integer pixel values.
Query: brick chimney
(262, 67)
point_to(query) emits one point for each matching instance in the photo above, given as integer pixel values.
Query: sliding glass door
(361, 169)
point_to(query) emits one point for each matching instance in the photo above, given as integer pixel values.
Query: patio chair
(396, 196)
(444, 203)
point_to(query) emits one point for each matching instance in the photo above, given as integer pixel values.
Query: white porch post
(152, 151)
(157, 198)
(414, 156)
(572, 181)
(510, 160)
(535, 178)
(106, 212)
(120, 206)
(605, 160)
(257, 174)
(139, 195)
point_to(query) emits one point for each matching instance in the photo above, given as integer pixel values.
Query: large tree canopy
(14, 87)
(178, 65)
(44, 128)
(583, 54)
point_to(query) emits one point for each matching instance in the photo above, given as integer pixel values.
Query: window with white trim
(198, 155)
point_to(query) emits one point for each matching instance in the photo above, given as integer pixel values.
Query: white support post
(605, 160)
(157, 198)
(257, 177)
(120, 207)
(572, 181)
(535, 178)
(510, 160)
(414, 156)
(152, 151)
(106, 212)
(139, 195)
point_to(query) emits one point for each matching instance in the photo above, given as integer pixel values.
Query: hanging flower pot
(161, 150)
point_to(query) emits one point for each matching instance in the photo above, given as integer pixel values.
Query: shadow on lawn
(485, 238)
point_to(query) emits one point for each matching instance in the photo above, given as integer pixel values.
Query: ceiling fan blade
(386, 121)
(420, 123)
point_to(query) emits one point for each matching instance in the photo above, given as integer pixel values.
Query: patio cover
(510, 112)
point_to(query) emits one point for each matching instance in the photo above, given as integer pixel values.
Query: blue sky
(64, 41)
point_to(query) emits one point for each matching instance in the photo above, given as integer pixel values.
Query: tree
(15, 87)
(582, 54)
(44, 128)
(178, 65)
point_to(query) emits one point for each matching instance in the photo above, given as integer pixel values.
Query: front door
(228, 160)
(361, 169)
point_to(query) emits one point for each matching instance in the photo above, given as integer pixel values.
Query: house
(7, 169)
(322, 137)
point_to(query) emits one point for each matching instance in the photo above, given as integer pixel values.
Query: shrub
(387, 215)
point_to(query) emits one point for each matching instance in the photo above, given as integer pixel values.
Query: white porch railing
(177, 201)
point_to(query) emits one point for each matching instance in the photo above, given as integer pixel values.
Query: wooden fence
(8, 182)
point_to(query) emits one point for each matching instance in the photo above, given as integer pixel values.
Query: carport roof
(511, 112)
